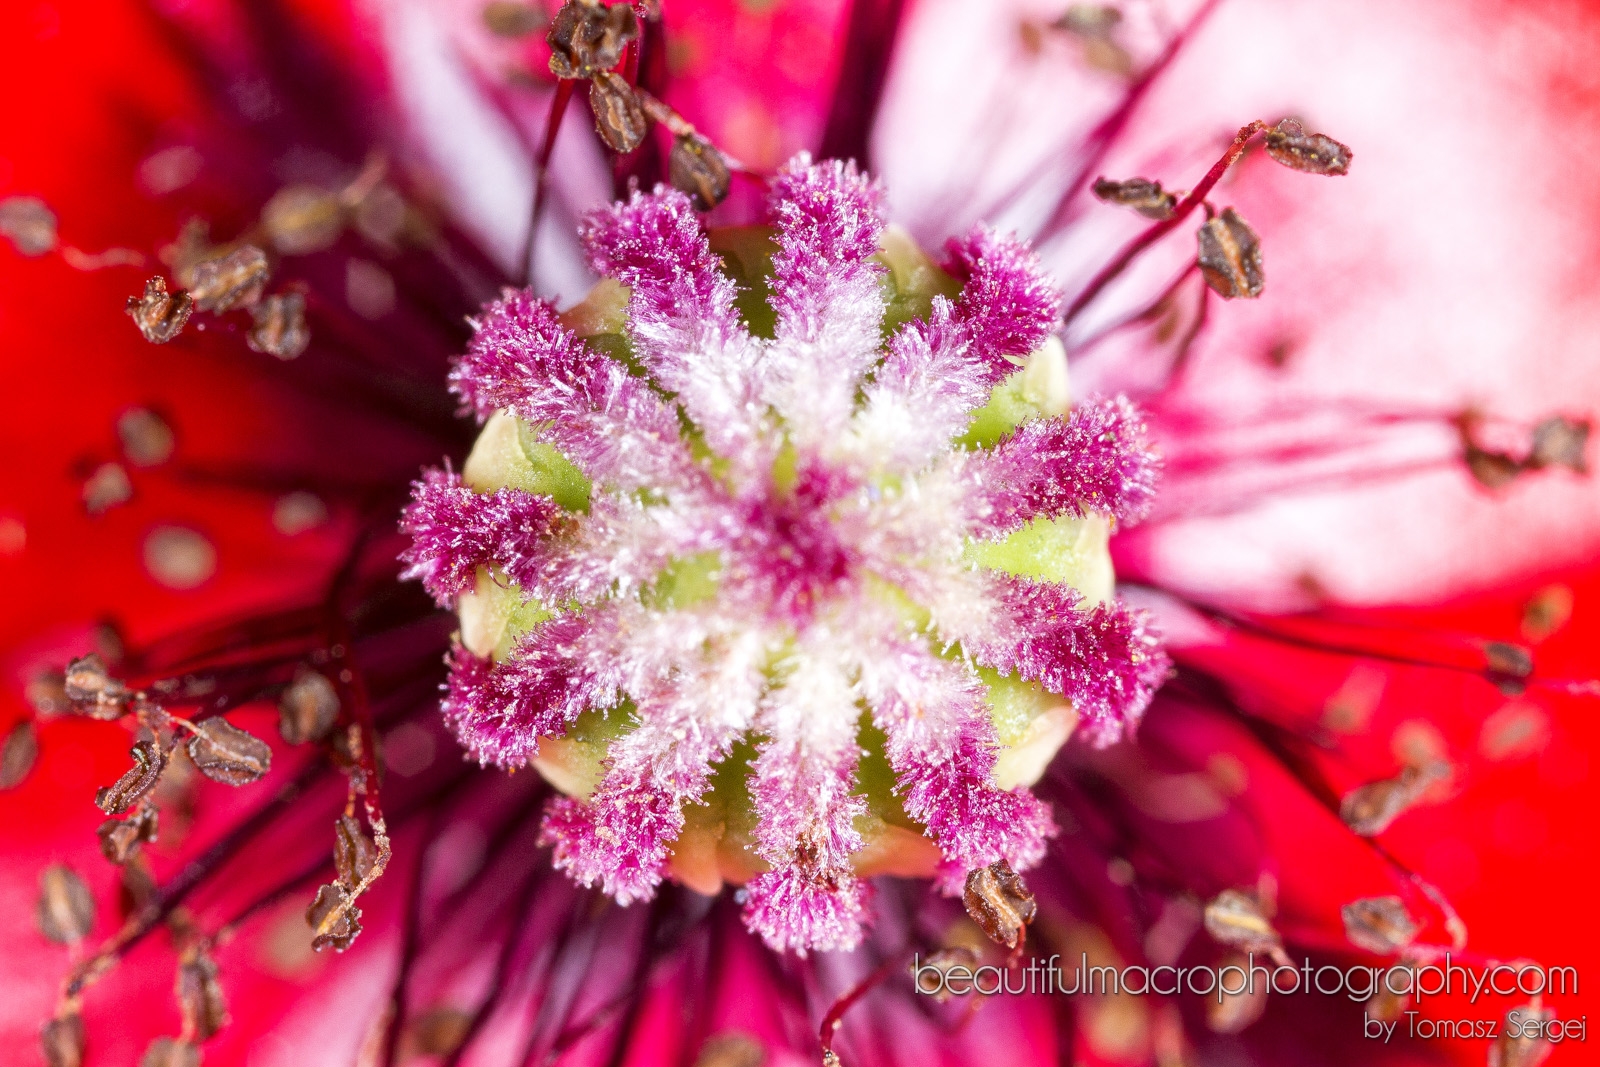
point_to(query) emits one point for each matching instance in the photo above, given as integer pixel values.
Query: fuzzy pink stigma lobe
(774, 551)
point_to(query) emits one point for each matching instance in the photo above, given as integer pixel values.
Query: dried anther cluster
(1229, 252)
(824, 558)
(216, 279)
(309, 709)
(589, 40)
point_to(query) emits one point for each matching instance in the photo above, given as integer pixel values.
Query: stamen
(1379, 924)
(1141, 194)
(66, 907)
(1230, 256)
(160, 315)
(17, 753)
(1370, 809)
(999, 902)
(29, 224)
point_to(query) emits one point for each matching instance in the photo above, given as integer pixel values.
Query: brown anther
(231, 280)
(192, 245)
(440, 1031)
(158, 314)
(62, 1041)
(18, 753)
(1088, 20)
(301, 219)
(731, 1049)
(1229, 1013)
(148, 763)
(170, 1052)
(308, 708)
(1230, 256)
(1504, 658)
(92, 690)
(46, 694)
(1370, 809)
(120, 838)
(224, 753)
(587, 37)
(941, 962)
(334, 917)
(1141, 194)
(354, 854)
(1378, 924)
(618, 116)
(1490, 469)
(1094, 25)
(999, 902)
(512, 18)
(29, 224)
(1546, 612)
(1527, 1047)
(147, 440)
(136, 889)
(66, 907)
(697, 168)
(381, 215)
(106, 488)
(1314, 153)
(1237, 919)
(279, 326)
(1560, 442)
(200, 998)
(1386, 1005)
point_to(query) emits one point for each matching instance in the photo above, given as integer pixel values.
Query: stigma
(783, 555)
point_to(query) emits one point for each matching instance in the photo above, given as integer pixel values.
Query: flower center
(787, 592)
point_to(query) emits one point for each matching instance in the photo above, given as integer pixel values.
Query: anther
(697, 168)
(1230, 256)
(308, 708)
(92, 691)
(66, 907)
(1560, 442)
(1313, 153)
(18, 753)
(29, 224)
(1370, 809)
(1141, 194)
(160, 315)
(149, 760)
(278, 326)
(231, 280)
(224, 753)
(1378, 924)
(587, 37)
(1238, 919)
(999, 902)
(512, 19)
(120, 839)
(618, 116)
(201, 1002)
